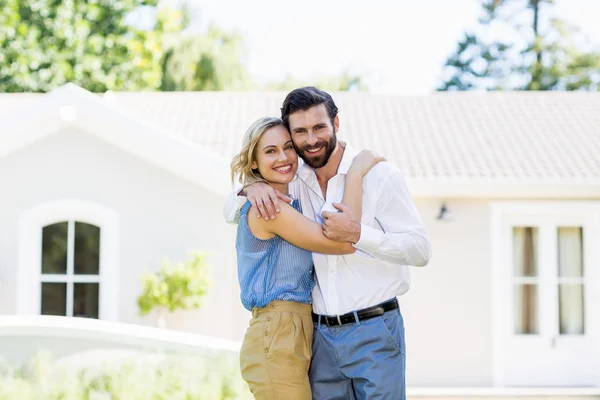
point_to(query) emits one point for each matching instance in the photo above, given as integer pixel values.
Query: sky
(399, 46)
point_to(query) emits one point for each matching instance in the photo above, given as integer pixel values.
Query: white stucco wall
(161, 216)
(447, 311)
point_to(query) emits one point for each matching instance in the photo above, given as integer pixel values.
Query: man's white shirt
(392, 237)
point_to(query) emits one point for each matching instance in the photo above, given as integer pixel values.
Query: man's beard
(320, 161)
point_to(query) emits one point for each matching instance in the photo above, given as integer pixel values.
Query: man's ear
(336, 124)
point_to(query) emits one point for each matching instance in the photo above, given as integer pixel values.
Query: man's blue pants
(361, 360)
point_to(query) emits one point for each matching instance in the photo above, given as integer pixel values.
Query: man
(358, 347)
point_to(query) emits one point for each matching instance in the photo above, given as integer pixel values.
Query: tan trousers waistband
(283, 306)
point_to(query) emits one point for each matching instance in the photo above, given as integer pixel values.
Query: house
(507, 185)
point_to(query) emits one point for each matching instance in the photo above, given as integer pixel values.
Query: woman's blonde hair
(241, 165)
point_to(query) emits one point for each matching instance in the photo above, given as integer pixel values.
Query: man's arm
(233, 205)
(403, 239)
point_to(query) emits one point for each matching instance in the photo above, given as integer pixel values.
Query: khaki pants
(276, 351)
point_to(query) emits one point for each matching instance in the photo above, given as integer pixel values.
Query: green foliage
(345, 82)
(537, 52)
(139, 376)
(204, 62)
(47, 43)
(100, 45)
(182, 285)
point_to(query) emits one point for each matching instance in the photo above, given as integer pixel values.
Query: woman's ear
(254, 165)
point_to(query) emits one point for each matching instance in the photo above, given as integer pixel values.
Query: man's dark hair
(302, 99)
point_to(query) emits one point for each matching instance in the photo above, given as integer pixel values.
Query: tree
(101, 45)
(538, 52)
(46, 43)
(179, 286)
(345, 82)
(212, 61)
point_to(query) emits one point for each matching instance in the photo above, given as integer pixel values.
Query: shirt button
(268, 318)
(266, 333)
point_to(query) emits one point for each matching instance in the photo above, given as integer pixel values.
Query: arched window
(70, 269)
(68, 260)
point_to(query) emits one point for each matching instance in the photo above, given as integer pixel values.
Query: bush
(179, 286)
(134, 376)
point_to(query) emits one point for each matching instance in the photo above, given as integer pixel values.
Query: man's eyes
(316, 128)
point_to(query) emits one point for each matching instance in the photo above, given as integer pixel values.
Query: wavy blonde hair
(241, 165)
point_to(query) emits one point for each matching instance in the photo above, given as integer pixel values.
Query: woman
(275, 268)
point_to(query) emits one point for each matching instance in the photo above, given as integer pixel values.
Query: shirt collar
(304, 171)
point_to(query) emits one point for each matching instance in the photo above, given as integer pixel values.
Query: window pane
(571, 309)
(570, 251)
(54, 299)
(87, 249)
(525, 248)
(526, 320)
(54, 248)
(85, 303)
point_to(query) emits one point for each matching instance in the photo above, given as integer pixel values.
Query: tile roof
(489, 137)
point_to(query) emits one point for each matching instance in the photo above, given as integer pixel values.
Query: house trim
(551, 189)
(542, 210)
(71, 105)
(30, 227)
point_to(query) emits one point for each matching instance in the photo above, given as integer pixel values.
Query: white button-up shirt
(392, 238)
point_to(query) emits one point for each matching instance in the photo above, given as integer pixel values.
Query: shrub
(138, 376)
(182, 285)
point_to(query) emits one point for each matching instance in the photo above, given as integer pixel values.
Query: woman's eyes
(271, 151)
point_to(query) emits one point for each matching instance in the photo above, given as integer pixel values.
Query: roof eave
(526, 189)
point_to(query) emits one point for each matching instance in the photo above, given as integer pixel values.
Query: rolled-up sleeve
(233, 205)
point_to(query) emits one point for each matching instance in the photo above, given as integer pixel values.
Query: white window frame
(29, 276)
(524, 210)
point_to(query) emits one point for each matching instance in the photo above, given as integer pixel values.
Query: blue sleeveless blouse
(271, 269)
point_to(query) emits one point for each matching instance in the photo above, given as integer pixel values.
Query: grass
(125, 375)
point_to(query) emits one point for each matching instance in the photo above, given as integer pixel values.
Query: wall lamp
(445, 214)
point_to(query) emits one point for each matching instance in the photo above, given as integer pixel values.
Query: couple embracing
(323, 250)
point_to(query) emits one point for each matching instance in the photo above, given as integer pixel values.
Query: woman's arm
(300, 231)
(361, 165)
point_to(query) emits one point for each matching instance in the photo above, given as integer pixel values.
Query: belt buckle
(328, 319)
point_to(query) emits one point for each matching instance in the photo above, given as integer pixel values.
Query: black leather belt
(365, 313)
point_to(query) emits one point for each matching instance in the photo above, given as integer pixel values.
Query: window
(70, 269)
(68, 260)
(566, 278)
(545, 318)
(525, 280)
(571, 284)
